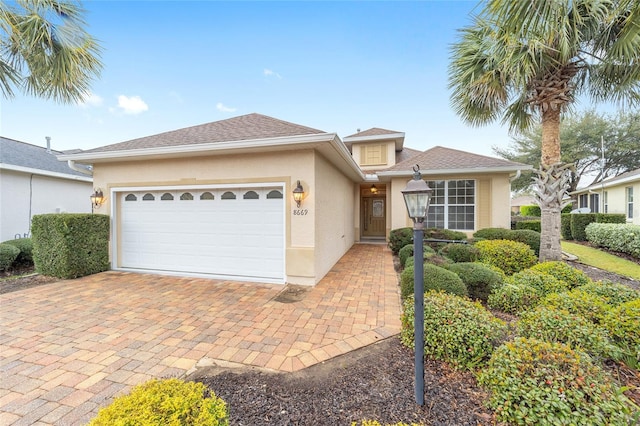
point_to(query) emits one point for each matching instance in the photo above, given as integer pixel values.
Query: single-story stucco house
(33, 181)
(217, 199)
(613, 195)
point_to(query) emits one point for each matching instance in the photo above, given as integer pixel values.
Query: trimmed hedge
(527, 236)
(25, 245)
(456, 330)
(479, 278)
(435, 278)
(614, 293)
(531, 210)
(533, 225)
(565, 226)
(510, 256)
(572, 276)
(70, 245)
(460, 252)
(513, 298)
(578, 224)
(8, 254)
(516, 219)
(611, 218)
(407, 251)
(492, 234)
(399, 238)
(540, 383)
(624, 238)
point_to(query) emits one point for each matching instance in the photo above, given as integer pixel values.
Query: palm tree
(526, 61)
(45, 51)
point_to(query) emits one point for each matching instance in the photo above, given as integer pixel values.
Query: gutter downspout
(72, 165)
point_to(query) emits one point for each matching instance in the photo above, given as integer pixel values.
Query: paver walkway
(67, 348)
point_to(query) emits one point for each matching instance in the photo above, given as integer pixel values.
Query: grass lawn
(602, 260)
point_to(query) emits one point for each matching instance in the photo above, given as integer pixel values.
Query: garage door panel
(230, 237)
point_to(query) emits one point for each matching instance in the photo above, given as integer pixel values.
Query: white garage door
(226, 232)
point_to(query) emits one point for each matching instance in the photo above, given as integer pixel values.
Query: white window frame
(446, 205)
(628, 192)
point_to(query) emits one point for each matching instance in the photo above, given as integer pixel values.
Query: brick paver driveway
(67, 348)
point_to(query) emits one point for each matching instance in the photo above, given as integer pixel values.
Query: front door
(374, 220)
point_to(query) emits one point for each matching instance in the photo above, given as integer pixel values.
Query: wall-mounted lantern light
(298, 194)
(373, 189)
(417, 195)
(97, 198)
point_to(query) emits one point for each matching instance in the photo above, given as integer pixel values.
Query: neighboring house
(522, 200)
(613, 195)
(217, 199)
(33, 181)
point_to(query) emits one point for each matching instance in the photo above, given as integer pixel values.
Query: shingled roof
(22, 154)
(245, 127)
(374, 131)
(441, 158)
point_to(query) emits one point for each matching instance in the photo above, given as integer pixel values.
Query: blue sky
(333, 66)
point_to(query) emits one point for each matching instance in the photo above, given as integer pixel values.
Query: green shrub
(399, 238)
(492, 234)
(543, 283)
(165, 402)
(512, 298)
(437, 260)
(572, 276)
(70, 245)
(517, 219)
(444, 234)
(456, 330)
(623, 323)
(576, 301)
(615, 294)
(560, 326)
(510, 256)
(579, 222)
(533, 225)
(8, 255)
(567, 209)
(460, 252)
(542, 383)
(611, 218)
(25, 245)
(407, 251)
(624, 238)
(435, 278)
(479, 278)
(531, 210)
(528, 237)
(565, 226)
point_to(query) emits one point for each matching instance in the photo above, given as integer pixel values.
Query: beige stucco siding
(493, 195)
(286, 167)
(334, 205)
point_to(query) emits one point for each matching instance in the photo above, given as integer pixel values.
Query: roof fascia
(41, 172)
(409, 173)
(608, 184)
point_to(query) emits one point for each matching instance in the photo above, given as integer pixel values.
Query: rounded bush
(8, 255)
(572, 276)
(399, 238)
(513, 299)
(460, 252)
(576, 301)
(560, 326)
(492, 234)
(528, 237)
(407, 251)
(25, 245)
(435, 278)
(623, 323)
(165, 402)
(479, 278)
(456, 330)
(542, 383)
(615, 294)
(544, 283)
(510, 256)
(437, 260)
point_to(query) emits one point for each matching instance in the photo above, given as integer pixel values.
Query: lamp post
(417, 195)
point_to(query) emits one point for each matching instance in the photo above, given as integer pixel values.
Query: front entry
(374, 218)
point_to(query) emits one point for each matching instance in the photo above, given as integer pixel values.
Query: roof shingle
(22, 154)
(441, 158)
(245, 127)
(374, 131)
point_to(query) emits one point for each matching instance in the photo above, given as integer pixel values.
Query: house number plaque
(300, 212)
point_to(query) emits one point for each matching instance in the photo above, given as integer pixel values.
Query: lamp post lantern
(417, 195)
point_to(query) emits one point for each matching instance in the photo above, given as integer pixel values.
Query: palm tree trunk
(550, 186)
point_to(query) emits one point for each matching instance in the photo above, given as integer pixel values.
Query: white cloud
(90, 100)
(132, 105)
(221, 107)
(270, 73)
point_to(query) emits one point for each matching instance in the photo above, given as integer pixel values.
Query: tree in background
(526, 61)
(581, 137)
(45, 51)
